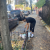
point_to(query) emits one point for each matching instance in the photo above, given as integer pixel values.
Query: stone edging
(45, 25)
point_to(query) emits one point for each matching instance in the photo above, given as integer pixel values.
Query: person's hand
(25, 27)
(26, 30)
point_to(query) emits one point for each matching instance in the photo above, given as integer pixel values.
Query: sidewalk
(41, 41)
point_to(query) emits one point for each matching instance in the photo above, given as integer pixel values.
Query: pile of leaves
(17, 45)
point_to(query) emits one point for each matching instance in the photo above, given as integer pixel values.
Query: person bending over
(32, 22)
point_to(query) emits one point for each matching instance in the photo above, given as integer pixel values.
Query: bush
(40, 3)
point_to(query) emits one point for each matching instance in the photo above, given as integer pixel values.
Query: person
(32, 22)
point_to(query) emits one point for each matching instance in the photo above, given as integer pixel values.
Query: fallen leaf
(41, 48)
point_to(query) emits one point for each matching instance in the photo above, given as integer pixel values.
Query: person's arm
(27, 26)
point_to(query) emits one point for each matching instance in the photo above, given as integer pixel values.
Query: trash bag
(22, 36)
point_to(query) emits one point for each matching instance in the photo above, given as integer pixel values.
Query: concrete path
(41, 40)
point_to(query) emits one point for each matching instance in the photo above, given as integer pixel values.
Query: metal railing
(16, 38)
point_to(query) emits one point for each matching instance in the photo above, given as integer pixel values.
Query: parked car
(12, 22)
(17, 14)
(25, 13)
(28, 12)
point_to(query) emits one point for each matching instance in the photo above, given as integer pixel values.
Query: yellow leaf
(41, 48)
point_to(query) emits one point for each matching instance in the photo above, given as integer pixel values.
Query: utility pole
(25, 4)
(31, 5)
(4, 26)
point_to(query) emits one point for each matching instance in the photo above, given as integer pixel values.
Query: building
(9, 7)
(28, 2)
(20, 2)
(12, 3)
(16, 2)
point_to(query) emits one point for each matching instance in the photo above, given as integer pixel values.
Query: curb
(47, 27)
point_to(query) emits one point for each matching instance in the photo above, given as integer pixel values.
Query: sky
(33, 1)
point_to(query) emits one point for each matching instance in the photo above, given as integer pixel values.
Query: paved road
(41, 41)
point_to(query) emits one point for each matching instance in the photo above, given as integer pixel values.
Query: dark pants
(32, 26)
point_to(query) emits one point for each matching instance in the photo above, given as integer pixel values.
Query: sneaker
(32, 35)
(29, 34)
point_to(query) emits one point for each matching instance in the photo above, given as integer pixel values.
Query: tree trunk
(4, 26)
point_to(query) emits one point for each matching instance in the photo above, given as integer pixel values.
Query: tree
(19, 6)
(4, 26)
(40, 3)
(28, 8)
(23, 2)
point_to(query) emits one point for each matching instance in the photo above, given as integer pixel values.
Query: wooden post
(4, 26)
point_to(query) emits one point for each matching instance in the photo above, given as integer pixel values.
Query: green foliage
(1, 48)
(40, 3)
(23, 2)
